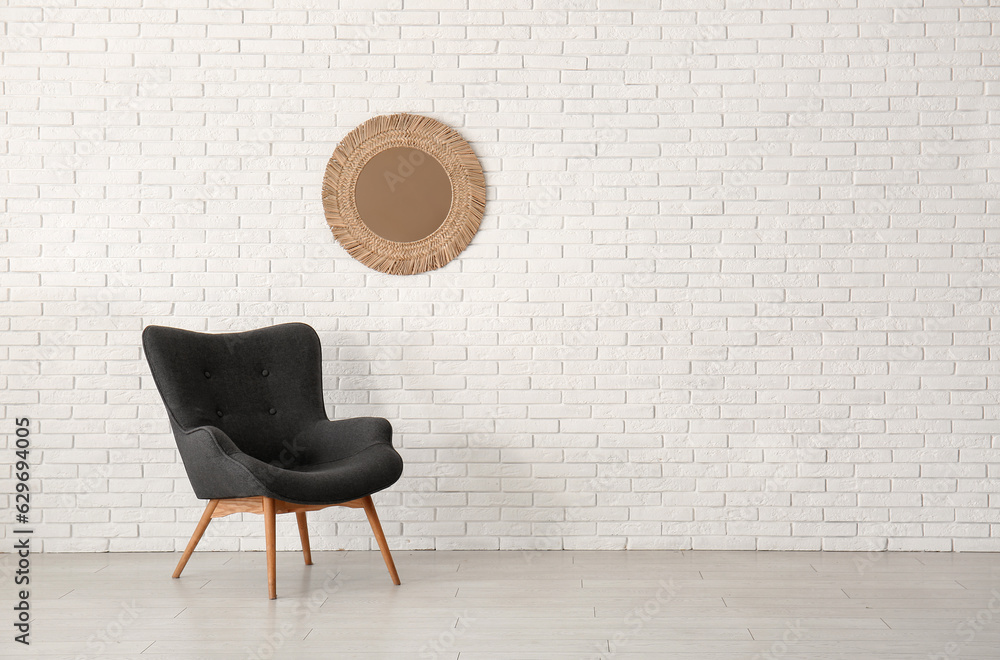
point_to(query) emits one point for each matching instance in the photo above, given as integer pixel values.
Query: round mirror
(404, 194)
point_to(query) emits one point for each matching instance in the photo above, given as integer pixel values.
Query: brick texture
(736, 285)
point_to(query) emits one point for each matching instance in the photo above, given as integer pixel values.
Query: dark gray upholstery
(247, 411)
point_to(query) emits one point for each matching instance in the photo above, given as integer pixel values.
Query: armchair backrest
(260, 387)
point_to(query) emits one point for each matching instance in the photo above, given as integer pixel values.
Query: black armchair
(247, 412)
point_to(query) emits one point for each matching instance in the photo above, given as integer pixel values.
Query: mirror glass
(403, 194)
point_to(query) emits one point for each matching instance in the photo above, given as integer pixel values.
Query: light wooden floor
(504, 605)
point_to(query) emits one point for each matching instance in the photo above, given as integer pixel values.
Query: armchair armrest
(214, 464)
(335, 440)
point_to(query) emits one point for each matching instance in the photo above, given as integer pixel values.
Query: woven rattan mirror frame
(446, 146)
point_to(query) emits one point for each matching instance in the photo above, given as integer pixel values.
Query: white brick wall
(736, 286)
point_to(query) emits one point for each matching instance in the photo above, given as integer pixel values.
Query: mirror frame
(468, 189)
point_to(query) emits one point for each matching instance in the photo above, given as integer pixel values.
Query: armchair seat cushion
(372, 469)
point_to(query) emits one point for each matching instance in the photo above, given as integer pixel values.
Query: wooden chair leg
(206, 518)
(272, 591)
(380, 537)
(300, 516)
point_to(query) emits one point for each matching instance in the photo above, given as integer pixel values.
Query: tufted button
(219, 413)
(272, 411)
(208, 375)
(265, 373)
